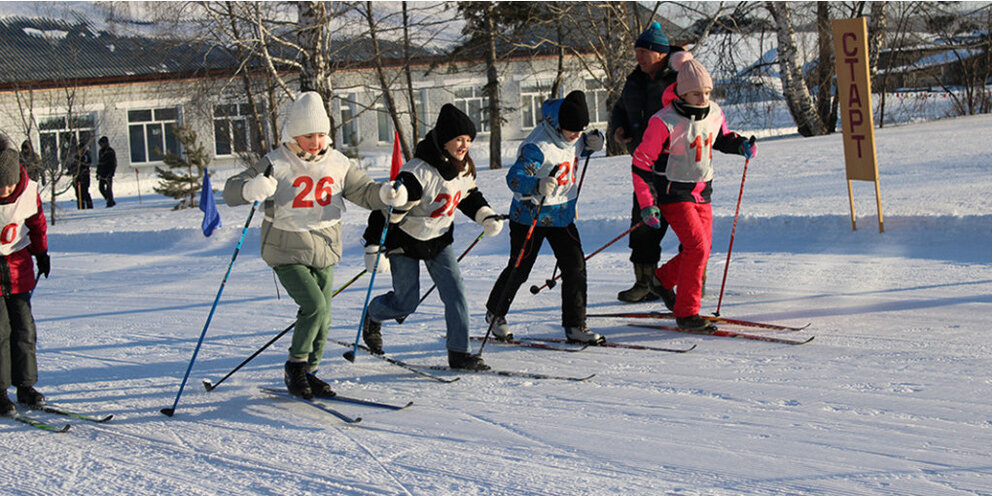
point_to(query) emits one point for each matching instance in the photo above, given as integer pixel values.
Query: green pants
(311, 289)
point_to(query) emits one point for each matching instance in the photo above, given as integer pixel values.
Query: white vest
(690, 152)
(13, 235)
(433, 215)
(308, 194)
(561, 156)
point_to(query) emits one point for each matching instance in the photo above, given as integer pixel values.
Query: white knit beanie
(306, 116)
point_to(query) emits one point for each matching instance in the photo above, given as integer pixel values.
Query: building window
(57, 134)
(385, 125)
(151, 133)
(596, 101)
(471, 101)
(532, 95)
(233, 130)
(349, 128)
(423, 118)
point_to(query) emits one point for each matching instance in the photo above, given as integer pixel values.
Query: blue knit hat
(653, 39)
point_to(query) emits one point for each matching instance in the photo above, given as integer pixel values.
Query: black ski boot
(296, 380)
(667, 296)
(695, 323)
(30, 397)
(7, 408)
(466, 361)
(372, 335)
(642, 289)
(319, 387)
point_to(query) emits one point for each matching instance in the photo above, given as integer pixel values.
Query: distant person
(21, 212)
(106, 166)
(683, 135)
(32, 163)
(641, 97)
(79, 169)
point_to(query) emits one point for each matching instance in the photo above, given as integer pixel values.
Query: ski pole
(209, 386)
(350, 355)
(168, 412)
(535, 289)
(733, 230)
(516, 265)
(551, 282)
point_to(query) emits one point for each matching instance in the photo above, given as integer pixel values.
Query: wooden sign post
(854, 91)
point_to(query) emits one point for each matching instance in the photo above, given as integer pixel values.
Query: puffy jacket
(421, 229)
(22, 209)
(317, 247)
(641, 97)
(544, 152)
(681, 138)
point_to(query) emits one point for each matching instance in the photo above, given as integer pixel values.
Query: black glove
(44, 263)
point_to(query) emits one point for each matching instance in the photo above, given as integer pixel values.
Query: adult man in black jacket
(640, 99)
(106, 166)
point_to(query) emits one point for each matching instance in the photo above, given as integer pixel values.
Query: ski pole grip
(268, 170)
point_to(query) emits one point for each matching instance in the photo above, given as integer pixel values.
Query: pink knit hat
(693, 76)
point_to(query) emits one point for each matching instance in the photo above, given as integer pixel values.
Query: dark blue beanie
(653, 39)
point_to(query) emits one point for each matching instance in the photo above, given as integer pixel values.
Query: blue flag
(211, 218)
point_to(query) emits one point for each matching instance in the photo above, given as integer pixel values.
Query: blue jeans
(405, 296)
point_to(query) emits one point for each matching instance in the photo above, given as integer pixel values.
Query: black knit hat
(573, 114)
(452, 123)
(10, 165)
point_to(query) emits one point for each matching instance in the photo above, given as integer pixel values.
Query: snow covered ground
(893, 396)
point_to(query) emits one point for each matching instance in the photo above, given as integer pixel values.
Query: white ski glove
(370, 254)
(393, 197)
(547, 185)
(259, 188)
(490, 222)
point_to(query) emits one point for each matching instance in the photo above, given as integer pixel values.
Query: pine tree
(183, 186)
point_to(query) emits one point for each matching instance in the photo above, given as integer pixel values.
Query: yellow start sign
(854, 92)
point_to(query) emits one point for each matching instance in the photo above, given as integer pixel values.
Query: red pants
(693, 224)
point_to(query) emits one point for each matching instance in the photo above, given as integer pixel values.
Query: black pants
(107, 190)
(18, 364)
(83, 198)
(645, 241)
(571, 261)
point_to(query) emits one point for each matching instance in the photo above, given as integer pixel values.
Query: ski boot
(466, 361)
(372, 335)
(30, 397)
(501, 330)
(583, 335)
(296, 380)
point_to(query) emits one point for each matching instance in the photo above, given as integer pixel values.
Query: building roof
(44, 49)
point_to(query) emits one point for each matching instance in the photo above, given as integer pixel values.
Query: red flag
(394, 168)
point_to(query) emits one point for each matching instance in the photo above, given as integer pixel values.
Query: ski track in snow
(891, 398)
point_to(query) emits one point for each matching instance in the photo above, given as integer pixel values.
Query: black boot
(296, 380)
(319, 387)
(372, 335)
(30, 396)
(7, 408)
(466, 361)
(695, 323)
(641, 291)
(667, 295)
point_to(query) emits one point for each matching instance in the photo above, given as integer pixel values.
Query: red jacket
(17, 268)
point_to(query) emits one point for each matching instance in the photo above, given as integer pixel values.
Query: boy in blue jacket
(544, 186)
